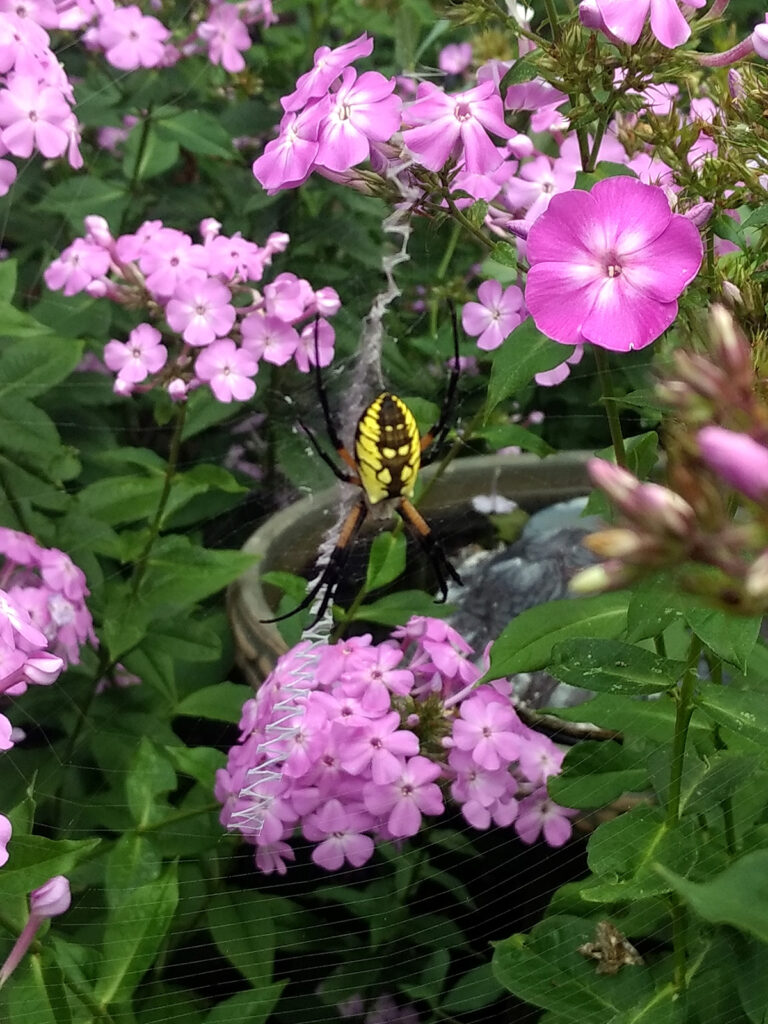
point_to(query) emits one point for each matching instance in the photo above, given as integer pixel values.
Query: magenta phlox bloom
(229, 371)
(201, 311)
(327, 67)
(626, 18)
(339, 832)
(77, 266)
(538, 814)
(455, 58)
(405, 799)
(740, 460)
(363, 109)
(168, 257)
(131, 39)
(532, 188)
(32, 117)
(492, 319)
(456, 125)
(488, 729)
(269, 338)
(607, 266)
(288, 160)
(381, 745)
(136, 358)
(226, 36)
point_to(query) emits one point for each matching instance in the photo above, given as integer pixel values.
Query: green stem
(711, 276)
(730, 827)
(442, 270)
(609, 401)
(553, 19)
(142, 561)
(602, 124)
(582, 137)
(143, 139)
(467, 224)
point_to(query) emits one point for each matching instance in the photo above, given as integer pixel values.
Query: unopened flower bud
(520, 146)
(50, 899)
(736, 85)
(737, 458)
(97, 289)
(518, 228)
(278, 241)
(618, 543)
(590, 16)
(731, 294)
(43, 668)
(599, 578)
(699, 213)
(619, 484)
(122, 387)
(97, 230)
(657, 506)
(177, 389)
(209, 228)
(730, 346)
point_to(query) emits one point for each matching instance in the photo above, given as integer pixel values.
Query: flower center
(613, 269)
(547, 188)
(462, 112)
(342, 112)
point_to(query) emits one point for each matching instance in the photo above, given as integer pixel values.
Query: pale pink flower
(269, 338)
(131, 39)
(136, 358)
(77, 266)
(338, 831)
(488, 730)
(228, 369)
(607, 266)
(305, 353)
(383, 745)
(495, 316)
(455, 58)
(539, 814)
(405, 800)
(626, 18)
(226, 36)
(759, 39)
(201, 311)
(363, 109)
(328, 66)
(32, 117)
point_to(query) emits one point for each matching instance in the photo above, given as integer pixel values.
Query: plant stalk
(609, 401)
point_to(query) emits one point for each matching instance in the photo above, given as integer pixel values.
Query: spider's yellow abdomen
(387, 449)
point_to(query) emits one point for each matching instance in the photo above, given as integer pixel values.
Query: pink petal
(623, 318)
(668, 24)
(669, 264)
(631, 215)
(560, 297)
(565, 232)
(405, 819)
(475, 318)
(557, 830)
(431, 143)
(625, 18)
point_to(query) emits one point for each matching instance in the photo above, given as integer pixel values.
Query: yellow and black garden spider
(388, 453)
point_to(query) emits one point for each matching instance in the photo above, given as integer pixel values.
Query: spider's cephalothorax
(388, 453)
(387, 449)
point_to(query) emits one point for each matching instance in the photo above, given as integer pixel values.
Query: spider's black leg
(431, 546)
(332, 571)
(439, 431)
(348, 478)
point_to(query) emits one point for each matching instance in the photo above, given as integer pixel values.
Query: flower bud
(730, 346)
(731, 294)
(43, 668)
(177, 390)
(209, 228)
(590, 16)
(737, 458)
(736, 85)
(518, 228)
(97, 230)
(618, 543)
(699, 213)
(50, 899)
(659, 507)
(619, 484)
(599, 578)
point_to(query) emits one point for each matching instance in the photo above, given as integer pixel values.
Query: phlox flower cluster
(51, 590)
(356, 743)
(36, 97)
(218, 326)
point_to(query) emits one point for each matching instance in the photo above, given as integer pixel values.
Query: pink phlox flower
(78, 265)
(169, 259)
(343, 710)
(226, 36)
(129, 248)
(269, 338)
(59, 572)
(550, 378)
(383, 746)
(274, 811)
(377, 677)
(703, 111)
(759, 39)
(131, 39)
(328, 65)
(272, 858)
(33, 117)
(423, 628)
(288, 297)
(495, 316)
(363, 109)
(539, 758)
(477, 788)
(229, 371)
(531, 190)
(48, 901)
(201, 311)
(136, 358)
(478, 186)
(456, 124)
(234, 257)
(610, 149)
(288, 160)
(338, 830)
(16, 625)
(6, 832)
(404, 800)
(335, 657)
(305, 353)
(617, 258)
(12, 662)
(488, 729)
(626, 18)
(651, 169)
(20, 35)
(304, 743)
(8, 173)
(326, 301)
(455, 58)
(539, 814)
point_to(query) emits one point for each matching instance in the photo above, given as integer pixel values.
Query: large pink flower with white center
(495, 316)
(201, 311)
(269, 338)
(228, 369)
(625, 19)
(363, 109)
(450, 125)
(607, 266)
(488, 730)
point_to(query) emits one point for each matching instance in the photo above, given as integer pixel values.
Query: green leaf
(477, 212)
(134, 932)
(386, 561)
(740, 710)
(645, 719)
(523, 70)
(35, 859)
(33, 366)
(147, 153)
(28, 438)
(185, 641)
(652, 607)
(200, 763)
(605, 169)
(526, 644)
(396, 609)
(84, 194)
(150, 778)
(730, 637)
(241, 925)
(197, 131)
(610, 666)
(8, 276)
(525, 352)
(180, 573)
(726, 227)
(134, 860)
(478, 988)
(221, 703)
(504, 253)
(738, 896)
(546, 969)
(37, 992)
(117, 500)
(626, 852)
(724, 774)
(594, 774)
(757, 219)
(247, 1007)
(501, 435)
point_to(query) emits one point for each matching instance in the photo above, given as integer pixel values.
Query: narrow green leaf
(241, 925)
(247, 1007)
(526, 644)
(738, 896)
(386, 561)
(610, 666)
(523, 70)
(35, 859)
(134, 932)
(525, 352)
(221, 703)
(198, 132)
